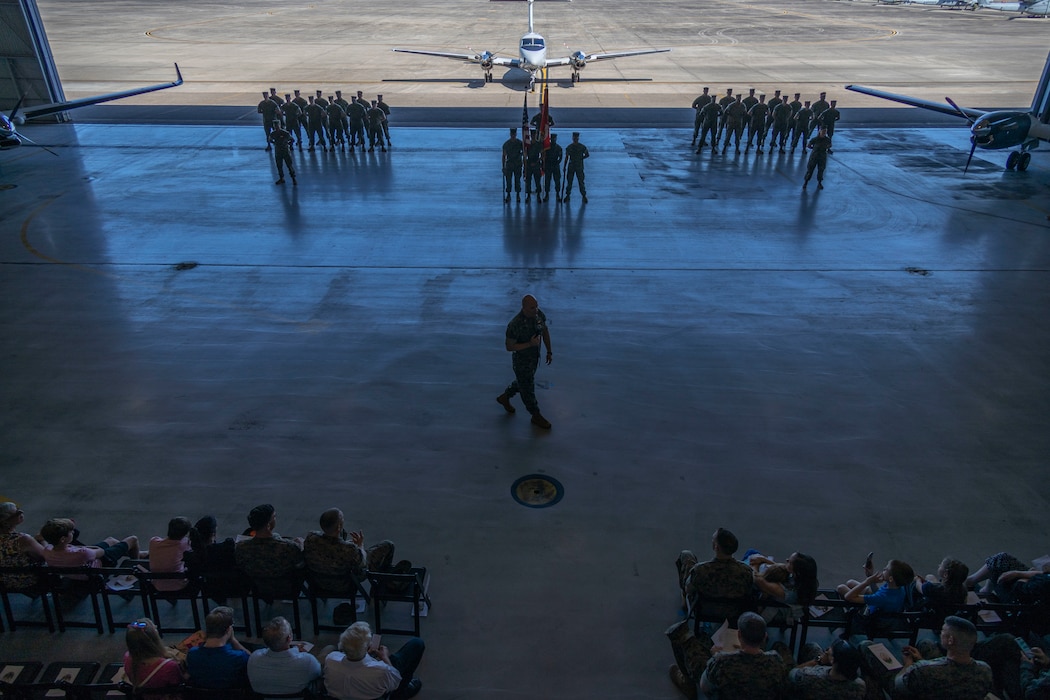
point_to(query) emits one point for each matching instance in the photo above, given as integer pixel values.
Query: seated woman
(17, 548)
(947, 588)
(147, 662)
(793, 584)
(994, 567)
(216, 561)
(166, 554)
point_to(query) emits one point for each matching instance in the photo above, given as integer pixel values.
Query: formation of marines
(541, 166)
(329, 123)
(780, 121)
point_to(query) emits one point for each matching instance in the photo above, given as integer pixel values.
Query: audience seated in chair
(956, 676)
(166, 554)
(147, 662)
(221, 662)
(750, 672)
(281, 667)
(358, 672)
(64, 550)
(332, 559)
(994, 567)
(721, 577)
(215, 561)
(947, 588)
(17, 548)
(267, 558)
(793, 584)
(827, 674)
(893, 596)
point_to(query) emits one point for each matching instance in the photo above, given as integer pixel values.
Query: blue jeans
(406, 661)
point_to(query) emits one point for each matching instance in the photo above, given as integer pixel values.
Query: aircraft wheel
(1011, 160)
(1023, 161)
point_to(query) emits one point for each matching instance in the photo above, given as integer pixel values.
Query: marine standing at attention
(724, 104)
(386, 122)
(819, 148)
(534, 169)
(801, 126)
(513, 155)
(552, 169)
(525, 332)
(575, 154)
(828, 118)
(709, 124)
(733, 117)
(756, 119)
(293, 118)
(315, 123)
(268, 109)
(698, 105)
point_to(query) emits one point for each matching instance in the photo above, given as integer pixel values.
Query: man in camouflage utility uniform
(733, 117)
(827, 674)
(575, 154)
(513, 156)
(749, 672)
(269, 111)
(552, 169)
(524, 334)
(698, 104)
(957, 676)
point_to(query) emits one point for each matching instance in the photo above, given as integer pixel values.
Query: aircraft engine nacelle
(7, 142)
(485, 59)
(579, 60)
(1001, 129)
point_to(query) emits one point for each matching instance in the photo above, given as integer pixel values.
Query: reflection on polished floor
(859, 368)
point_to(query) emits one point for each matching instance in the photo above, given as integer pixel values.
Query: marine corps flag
(545, 127)
(526, 137)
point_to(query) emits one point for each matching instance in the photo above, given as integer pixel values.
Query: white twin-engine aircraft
(532, 56)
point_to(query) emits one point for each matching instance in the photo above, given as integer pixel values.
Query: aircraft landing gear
(576, 76)
(488, 76)
(1018, 160)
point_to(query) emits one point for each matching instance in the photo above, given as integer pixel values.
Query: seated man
(749, 672)
(722, 577)
(221, 662)
(64, 550)
(281, 668)
(893, 596)
(828, 673)
(271, 562)
(956, 676)
(1035, 675)
(359, 672)
(332, 560)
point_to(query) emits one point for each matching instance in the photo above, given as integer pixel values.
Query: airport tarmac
(851, 369)
(229, 52)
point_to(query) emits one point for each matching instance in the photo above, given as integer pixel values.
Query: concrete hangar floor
(859, 368)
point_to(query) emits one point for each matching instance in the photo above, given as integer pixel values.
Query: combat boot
(507, 198)
(504, 400)
(540, 421)
(279, 182)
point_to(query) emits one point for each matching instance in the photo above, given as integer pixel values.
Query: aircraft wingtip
(178, 75)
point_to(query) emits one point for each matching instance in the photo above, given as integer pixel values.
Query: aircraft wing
(468, 57)
(569, 60)
(916, 102)
(55, 108)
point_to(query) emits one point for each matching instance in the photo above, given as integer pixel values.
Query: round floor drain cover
(537, 491)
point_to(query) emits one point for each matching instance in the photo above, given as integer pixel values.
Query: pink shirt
(165, 556)
(72, 555)
(166, 676)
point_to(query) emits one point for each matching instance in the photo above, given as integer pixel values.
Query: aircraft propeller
(973, 139)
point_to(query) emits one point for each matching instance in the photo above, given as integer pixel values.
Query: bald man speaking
(525, 332)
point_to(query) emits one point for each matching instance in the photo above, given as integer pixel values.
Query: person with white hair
(361, 671)
(281, 667)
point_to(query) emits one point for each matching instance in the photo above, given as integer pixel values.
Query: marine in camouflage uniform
(575, 154)
(386, 122)
(315, 123)
(818, 108)
(756, 119)
(733, 118)
(698, 104)
(534, 169)
(513, 155)
(781, 125)
(709, 117)
(800, 126)
(943, 679)
(336, 124)
(332, 559)
(524, 335)
(819, 146)
(282, 155)
(738, 675)
(269, 111)
(271, 562)
(376, 117)
(293, 118)
(749, 101)
(358, 115)
(552, 169)
(724, 103)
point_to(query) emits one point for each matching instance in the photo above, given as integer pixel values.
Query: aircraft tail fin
(14, 112)
(531, 30)
(1041, 99)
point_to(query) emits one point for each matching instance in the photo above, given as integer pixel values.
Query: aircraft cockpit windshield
(532, 43)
